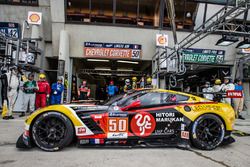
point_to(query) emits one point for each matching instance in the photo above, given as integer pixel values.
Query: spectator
(43, 91)
(209, 90)
(57, 90)
(83, 91)
(111, 89)
(238, 102)
(29, 96)
(11, 83)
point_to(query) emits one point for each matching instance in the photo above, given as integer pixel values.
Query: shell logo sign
(161, 40)
(34, 18)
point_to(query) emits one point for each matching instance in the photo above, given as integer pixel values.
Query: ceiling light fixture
(104, 69)
(129, 62)
(101, 60)
(125, 69)
(226, 41)
(244, 44)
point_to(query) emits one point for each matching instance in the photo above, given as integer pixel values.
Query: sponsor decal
(119, 135)
(206, 107)
(98, 116)
(117, 114)
(81, 130)
(85, 141)
(234, 94)
(166, 131)
(96, 141)
(185, 134)
(143, 124)
(168, 117)
(183, 126)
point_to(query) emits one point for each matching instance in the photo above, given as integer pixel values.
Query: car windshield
(118, 97)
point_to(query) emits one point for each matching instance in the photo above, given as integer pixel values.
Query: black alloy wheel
(208, 132)
(52, 131)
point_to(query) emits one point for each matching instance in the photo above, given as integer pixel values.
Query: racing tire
(207, 132)
(52, 131)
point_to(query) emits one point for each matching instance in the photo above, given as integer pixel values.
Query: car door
(157, 115)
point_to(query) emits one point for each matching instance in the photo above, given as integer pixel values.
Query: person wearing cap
(209, 90)
(238, 102)
(227, 85)
(111, 89)
(12, 83)
(83, 91)
(56, 91)
(29, 89)
(43, 91)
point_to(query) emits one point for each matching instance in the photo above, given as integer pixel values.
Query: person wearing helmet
(29, 89)
(134, 83)
(149, 82)
(12, 83)
(111, 89)
(238, 102)
(56, 91)
(83, 91)
(216, 89)
(208, 89)
(127, 86)
(43, 91)
(227, 85)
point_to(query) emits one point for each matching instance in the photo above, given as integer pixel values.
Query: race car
(142, 118)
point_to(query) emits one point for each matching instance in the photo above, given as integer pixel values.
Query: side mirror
(135, 104)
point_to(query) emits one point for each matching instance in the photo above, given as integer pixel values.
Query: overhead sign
(9, 29)
(161, 40)
(34, 18)
(206, 56)
(112, 50)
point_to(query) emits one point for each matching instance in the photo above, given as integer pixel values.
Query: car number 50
(118, 125)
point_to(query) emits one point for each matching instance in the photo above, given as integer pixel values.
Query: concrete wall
(146, 37)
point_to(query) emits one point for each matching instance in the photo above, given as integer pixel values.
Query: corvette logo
(143, 124)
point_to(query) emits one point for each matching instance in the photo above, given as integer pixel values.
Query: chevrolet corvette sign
(112, 50)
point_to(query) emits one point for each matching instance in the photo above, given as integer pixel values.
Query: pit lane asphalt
(234, 155)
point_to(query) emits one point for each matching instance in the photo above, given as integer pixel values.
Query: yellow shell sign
(34, 18)
(161, 40)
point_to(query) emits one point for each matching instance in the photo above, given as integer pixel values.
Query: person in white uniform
(227, 85)
(217, 89)
(209, 90)
(13, 81)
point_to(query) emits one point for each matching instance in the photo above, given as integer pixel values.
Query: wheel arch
(47, 111)
(212, 113)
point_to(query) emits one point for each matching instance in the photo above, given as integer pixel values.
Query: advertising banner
(112, 50)
(206, 56)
